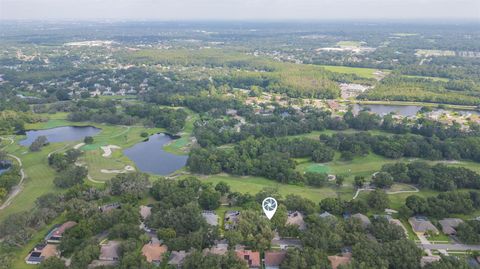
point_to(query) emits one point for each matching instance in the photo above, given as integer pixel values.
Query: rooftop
(296, 218)
(274, 258)
(153, 252)
(251, 257)
(110, 251)
(336, 261)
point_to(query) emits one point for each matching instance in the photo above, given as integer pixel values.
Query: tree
(315, 179)
(339, 180)
(359, 182)
(323, 155)
(88, 140)
(382, 180)
(378, 200)
(417, 204)
(306, 258)
(197, 260)
(385, 231)
(71, 176)
(209, 199)
(38, 143)
(333, 205)
(255, 230)
(133, 185)
(52, 263)
(402, 254)
(233, 237)
(222, 187)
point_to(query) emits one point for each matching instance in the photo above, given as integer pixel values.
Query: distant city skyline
(176, 10)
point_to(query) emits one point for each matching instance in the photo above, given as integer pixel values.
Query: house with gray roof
(449, 225)
(421, 225)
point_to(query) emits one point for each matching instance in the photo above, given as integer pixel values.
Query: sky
(176, 10)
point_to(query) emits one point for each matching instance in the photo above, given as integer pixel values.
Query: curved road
(15, 190)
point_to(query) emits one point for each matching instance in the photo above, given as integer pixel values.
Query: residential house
(231, 219)
(273, 259)
(364, 220)
(145, 211)
(154, 251)
(210, 217)
(217, 249)
(449, 225)
(421, 225)
(56, 234)
(177, 258)
(428, 259)
(336, 261)
(42, 252)
(327, 215)
(109, 255)
(251, 257)
(108, 207)
(110, 251)
(296, 218)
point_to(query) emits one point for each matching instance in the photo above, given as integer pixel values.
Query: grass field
(361, 72)
(253, 185)
(349, 43)
(430, 78)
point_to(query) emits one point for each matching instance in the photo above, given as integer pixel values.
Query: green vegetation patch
(253, 185)
(318, 168)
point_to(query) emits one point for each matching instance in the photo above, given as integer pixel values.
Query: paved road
(287, 242)
(451, 247)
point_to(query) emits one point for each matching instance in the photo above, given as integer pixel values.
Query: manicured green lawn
(361, 72)
(253, 185)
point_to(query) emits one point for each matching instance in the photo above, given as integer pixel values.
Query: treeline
(69, 173)
(436, 177)
(108, 112)
(270, 158)
(398, 146)
(442, 205)
(171, 119)
(398, 88)
(287, 121)
(13, 122)
(8, 179)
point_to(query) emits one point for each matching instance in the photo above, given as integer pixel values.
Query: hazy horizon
(238, 10)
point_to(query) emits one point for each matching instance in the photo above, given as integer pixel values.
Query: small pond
(5, 166)
(383, 110)
(407, 111)
(60, 134)
(150, 157)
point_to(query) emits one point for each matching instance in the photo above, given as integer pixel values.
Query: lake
(410, 110)
(60, 134)
(150, 157)
(383, 110)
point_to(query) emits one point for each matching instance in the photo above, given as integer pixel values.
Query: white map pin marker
(269, 206)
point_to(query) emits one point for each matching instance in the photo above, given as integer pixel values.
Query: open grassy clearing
(359, 71)
(39, 177)
(253, 185)
(430, 78)
(349, 43)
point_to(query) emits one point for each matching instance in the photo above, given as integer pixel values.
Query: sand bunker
(107, 150)
(126, 169)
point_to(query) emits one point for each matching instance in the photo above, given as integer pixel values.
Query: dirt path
(415, 189)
